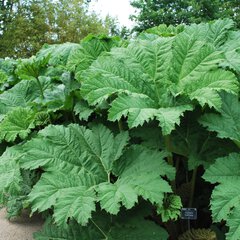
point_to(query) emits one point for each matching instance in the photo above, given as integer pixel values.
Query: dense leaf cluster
(107, 136)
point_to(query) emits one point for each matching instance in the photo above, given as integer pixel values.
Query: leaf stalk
(193, 184)
(40, 88)
(168, 148)
(100, 230)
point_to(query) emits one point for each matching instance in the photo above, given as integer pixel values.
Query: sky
(120, 9)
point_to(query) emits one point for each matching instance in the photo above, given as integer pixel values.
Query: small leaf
(83, 110)
(171, 208)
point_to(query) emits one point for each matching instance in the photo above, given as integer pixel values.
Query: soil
(20, 228)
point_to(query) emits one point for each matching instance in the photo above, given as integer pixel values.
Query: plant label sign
(189, 213)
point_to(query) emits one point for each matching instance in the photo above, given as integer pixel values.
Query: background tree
(151, 13)
(24, 31)
(72, 21)
(25, 25)
(6, 9)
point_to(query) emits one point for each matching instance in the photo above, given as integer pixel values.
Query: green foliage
(104, 137)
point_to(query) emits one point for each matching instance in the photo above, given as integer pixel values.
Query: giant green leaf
(134, 164)
(99, 172)
(149, 135)
(160, 78)
(225, 197)
(87, 154)
(122, 71)
(74, 149)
